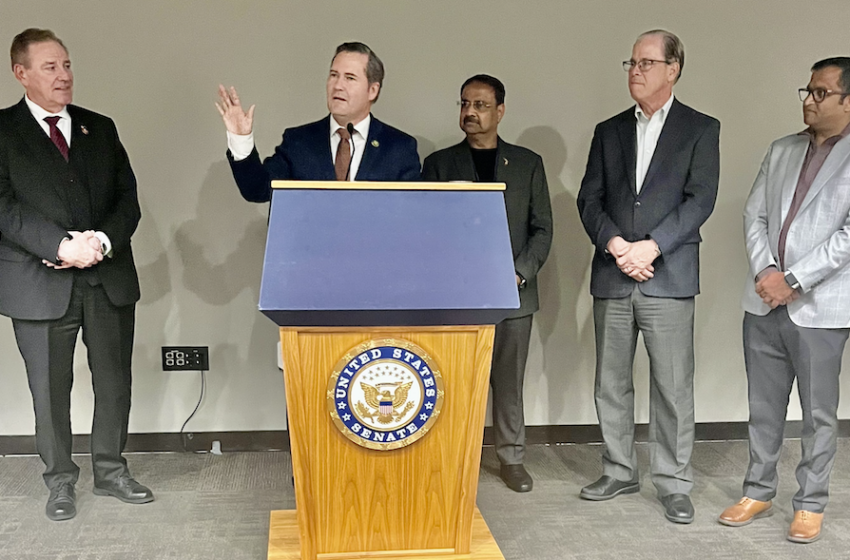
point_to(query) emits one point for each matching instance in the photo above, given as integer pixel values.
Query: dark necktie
(343, 155)
(56, 136)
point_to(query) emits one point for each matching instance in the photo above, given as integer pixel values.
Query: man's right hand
(78, 251)
(229, 107)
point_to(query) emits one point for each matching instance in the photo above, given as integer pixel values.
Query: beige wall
(154, 66)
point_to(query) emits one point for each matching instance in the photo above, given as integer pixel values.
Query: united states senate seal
(385, 394)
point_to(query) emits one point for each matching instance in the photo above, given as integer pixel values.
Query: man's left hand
(775, 291)
(640, 256)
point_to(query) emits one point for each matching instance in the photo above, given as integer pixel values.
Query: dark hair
(498, 87)
(19, 52)
(674, 50)
(843, 64)
(374, 66)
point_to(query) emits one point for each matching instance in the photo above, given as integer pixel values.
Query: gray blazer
(817, 249)
(676, 198)
(526, 201)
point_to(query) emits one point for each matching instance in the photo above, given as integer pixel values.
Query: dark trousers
(507, 373)
(48, 351)
(777, 352)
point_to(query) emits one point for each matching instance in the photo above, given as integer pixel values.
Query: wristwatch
(791, 280)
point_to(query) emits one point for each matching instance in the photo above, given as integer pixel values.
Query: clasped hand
(775, 291)
(634, 259)
(81, 251)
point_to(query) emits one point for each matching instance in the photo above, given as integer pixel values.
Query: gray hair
(674, 50)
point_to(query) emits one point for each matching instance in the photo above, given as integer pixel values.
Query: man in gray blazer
(797, 229)
(483, 156)
(650, 184)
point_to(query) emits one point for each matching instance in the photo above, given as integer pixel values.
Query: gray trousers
(777, 351)
(507, 373)
(667, 325)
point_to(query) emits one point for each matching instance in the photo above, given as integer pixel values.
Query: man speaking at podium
(485, 157)
(346, 145)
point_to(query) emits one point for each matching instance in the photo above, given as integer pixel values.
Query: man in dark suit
(348, 144)
(68, 208)
(650, 184)
(483, 156)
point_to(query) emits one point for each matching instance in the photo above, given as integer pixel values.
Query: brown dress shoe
(806, 527)
(744, 512)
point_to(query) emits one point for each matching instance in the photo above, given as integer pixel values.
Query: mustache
(470, 119)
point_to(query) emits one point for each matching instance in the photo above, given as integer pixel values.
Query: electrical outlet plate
(185, 358)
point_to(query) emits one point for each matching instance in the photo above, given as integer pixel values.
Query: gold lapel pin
(506, 161)
(375, 143)
(84, 129)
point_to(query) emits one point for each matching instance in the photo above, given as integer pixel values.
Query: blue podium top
(388, 254)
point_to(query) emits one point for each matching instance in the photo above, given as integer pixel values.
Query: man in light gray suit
(797, 320)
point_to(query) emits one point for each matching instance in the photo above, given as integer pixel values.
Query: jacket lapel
(42, 146)
(793, 164)
(837, 159)
(372, 150)
(628, 141)
(671, 136)
(464, 166)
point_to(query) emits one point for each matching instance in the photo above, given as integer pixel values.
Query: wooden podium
(386, 295)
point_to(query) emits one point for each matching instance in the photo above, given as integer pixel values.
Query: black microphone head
(350, 128)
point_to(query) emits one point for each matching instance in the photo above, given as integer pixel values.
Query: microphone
(350, 128)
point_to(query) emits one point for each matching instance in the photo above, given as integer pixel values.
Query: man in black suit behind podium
(68, 208)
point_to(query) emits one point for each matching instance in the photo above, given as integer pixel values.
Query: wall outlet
(185, 358)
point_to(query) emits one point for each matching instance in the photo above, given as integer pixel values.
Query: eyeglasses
(818, 94)
(477, 105)
(644, 64)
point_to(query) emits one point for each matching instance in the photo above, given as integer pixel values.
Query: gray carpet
(217, 507)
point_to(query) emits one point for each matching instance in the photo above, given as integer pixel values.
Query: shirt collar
(662, 112)
(40, 113)
(834, 139)
(361, 128)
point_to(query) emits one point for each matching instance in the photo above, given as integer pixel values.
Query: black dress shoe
(607, 487)
(678, 508)
(125, 489)
(62, 503)
(516, 477)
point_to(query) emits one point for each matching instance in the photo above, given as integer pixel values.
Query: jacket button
(637, 204)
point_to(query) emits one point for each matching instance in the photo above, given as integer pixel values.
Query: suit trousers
(667, 325)
(507, 373)
(47, 348)
(776, 352)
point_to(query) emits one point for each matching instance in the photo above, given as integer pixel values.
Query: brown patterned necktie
(56, 136)
(343, 155)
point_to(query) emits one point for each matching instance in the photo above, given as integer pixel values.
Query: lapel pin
(506, 161)
(84, 129)
(375, 143)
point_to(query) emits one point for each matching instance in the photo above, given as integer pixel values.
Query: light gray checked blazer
(817, 249)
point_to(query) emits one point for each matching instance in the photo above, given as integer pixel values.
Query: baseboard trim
(200, 442)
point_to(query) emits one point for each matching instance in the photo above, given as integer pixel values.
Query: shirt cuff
(105, 244)
(240, 145)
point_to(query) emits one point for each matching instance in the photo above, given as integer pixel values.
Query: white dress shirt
(241, 145)
(648, 130)
(64, 126)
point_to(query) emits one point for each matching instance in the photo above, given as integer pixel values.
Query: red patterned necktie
(343, 155)
(56, 136)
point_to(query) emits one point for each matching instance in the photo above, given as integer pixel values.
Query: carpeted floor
(217, 507)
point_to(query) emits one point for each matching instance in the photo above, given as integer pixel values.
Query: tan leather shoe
(744, 512)
(806, 526)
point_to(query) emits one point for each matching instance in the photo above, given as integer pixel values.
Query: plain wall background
(154, 67)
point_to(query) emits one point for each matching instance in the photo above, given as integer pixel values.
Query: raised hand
(236, 120)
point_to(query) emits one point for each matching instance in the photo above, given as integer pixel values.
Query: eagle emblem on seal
(384, 400)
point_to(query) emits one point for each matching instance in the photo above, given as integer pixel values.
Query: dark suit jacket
(42, 197)
(526, 201)
(305, 155)
(677, 197)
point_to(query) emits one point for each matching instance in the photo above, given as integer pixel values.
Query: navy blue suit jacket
(676, 198)
(305, 155)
